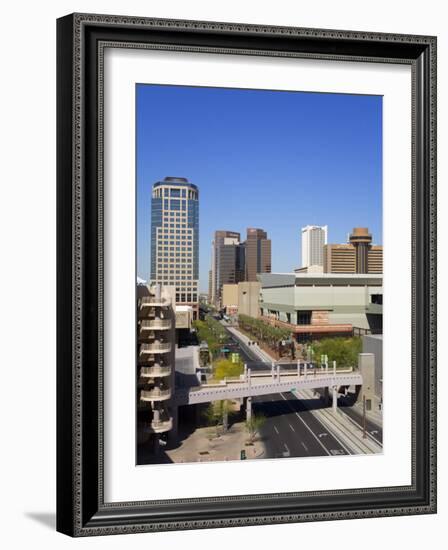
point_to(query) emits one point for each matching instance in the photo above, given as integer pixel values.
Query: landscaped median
(261, 331)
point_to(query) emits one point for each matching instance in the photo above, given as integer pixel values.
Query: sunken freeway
(290, 429)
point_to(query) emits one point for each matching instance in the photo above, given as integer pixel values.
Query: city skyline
(345, 151)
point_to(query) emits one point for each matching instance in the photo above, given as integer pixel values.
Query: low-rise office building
(249, 298)
(242, 298)
(230, 298)
(314, 305)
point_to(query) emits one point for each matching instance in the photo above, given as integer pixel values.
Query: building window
(304, 317)
(376, 299)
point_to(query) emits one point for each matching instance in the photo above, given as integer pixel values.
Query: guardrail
(155, 347)
(153, 301)
(156, 393)
(155, 324)
(153, 372)
(161, 425)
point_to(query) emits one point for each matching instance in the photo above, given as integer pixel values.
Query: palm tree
(253, 425)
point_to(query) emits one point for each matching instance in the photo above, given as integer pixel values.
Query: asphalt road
(291, 430)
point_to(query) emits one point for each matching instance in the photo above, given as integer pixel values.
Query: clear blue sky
(268, 159)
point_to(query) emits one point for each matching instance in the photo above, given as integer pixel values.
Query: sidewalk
(204, 446)
(375, 416)
(244, 340)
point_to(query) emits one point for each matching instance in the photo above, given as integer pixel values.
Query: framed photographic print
(246, 274)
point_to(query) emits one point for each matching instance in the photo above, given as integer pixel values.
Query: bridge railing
(277, 375)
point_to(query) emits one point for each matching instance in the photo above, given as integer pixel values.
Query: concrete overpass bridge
(258, 383)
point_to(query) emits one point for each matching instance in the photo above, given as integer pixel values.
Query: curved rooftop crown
(361, 232)
(173, 180)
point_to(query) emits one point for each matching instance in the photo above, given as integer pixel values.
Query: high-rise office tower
(361, 239)
(258, 253)
(227, 265)
(175, 238)
(359, 255)
(314, 238)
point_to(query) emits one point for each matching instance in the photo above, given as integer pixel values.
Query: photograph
(259, 274)
(232, 201)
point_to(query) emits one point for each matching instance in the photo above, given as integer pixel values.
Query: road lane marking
(309, 429)
(304, 446)
(358, 425)
(333, 435)
(275, 428)
(291, 427)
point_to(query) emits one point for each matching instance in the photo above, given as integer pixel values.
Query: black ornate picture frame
(81, 509)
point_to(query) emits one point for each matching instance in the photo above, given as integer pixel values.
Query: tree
(254, 424)
(215, 412)
(224, 368)
(212, 332)
(342, 350)
(263, 331)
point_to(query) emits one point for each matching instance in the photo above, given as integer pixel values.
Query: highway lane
(291, 430)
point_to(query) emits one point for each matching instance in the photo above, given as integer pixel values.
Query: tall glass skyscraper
(175, 238)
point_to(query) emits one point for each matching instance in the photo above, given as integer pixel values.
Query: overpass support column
(335, 398)
(326, 396)
(248, 408)
(225, 419)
